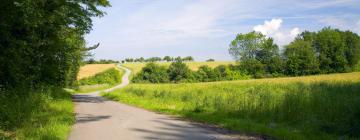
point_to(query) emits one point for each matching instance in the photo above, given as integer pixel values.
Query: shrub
(178, 71)
(253, 66)
(152, 73)
(207, 74)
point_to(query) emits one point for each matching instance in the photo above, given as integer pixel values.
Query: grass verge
(40, 115)
(311, 107)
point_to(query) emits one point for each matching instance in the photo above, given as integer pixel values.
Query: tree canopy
(42, 41)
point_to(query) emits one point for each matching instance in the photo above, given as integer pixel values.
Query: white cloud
(273, 29)
(269, 27)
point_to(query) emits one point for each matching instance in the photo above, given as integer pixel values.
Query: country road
(101, 119)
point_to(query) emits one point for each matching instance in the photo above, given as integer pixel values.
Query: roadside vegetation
(323, 52)
(194, 66)
(322, 106)
(41, 114)
(100, 81)
(42, 48)
(309, 107)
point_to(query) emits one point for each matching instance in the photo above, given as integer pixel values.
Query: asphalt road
(101, 119)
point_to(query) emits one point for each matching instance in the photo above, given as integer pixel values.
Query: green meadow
(308, 107)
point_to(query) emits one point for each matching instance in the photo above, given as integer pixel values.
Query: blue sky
(204, 28)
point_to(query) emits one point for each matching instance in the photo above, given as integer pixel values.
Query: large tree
(256, 53)
(301, 58)
(42, 41)
(337, 51)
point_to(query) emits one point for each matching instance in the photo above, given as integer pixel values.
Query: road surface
(101, 119)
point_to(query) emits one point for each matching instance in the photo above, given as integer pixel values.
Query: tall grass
(41, 114)
(313, 107)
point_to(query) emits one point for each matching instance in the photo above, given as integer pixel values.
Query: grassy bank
(100, 81)
(136, 67)
(310, 107)
(42, 114)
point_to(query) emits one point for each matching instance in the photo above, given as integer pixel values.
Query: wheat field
(92, 69)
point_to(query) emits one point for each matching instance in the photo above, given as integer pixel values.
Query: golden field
(92, 69)
(136, 67)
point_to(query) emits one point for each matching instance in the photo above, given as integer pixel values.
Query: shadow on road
(84, 118)
(87, 99)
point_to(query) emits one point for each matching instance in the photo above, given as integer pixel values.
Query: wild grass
(136, 67)
(42, 114)
(309, 107)
(92, 69)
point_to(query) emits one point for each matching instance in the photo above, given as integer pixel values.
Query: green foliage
(257, 54)
(207, 74)
(326, 51)
(178, 71)
(301, 59)
(101, 61)
(253, 66)
(318, 110)
(246, 46)
(42, 41)
(110, 77)
(152, 73)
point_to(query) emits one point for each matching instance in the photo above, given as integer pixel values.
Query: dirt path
(101, 119)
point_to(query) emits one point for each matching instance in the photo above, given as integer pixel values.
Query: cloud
(269, 27)
(273, 29)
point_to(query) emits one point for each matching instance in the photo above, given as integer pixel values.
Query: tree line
(179, 72)
(326, 51)
(159, 59)
(322, 52)
(101, 61)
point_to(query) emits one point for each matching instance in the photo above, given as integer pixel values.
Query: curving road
(101, 119)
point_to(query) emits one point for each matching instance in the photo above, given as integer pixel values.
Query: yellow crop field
(92, 69)
(136, 67)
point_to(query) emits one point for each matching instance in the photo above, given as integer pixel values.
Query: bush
(152, 73)
(111, 77)
(253, 66)
(178, 71)
(207, 74)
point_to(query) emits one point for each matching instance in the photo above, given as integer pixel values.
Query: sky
(204, 28)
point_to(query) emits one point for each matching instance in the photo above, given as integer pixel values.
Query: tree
(301, 58)
(167, 58)
(337, 51)
(152, 73)
(42, 42)
(207, 74)
(178, 71)
(246, 46)
(256, 53)
(210, 60)
(188, 58)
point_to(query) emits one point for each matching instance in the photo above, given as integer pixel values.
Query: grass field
(309, 107)
(136, 67)
(92, 69)
(41, 115)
